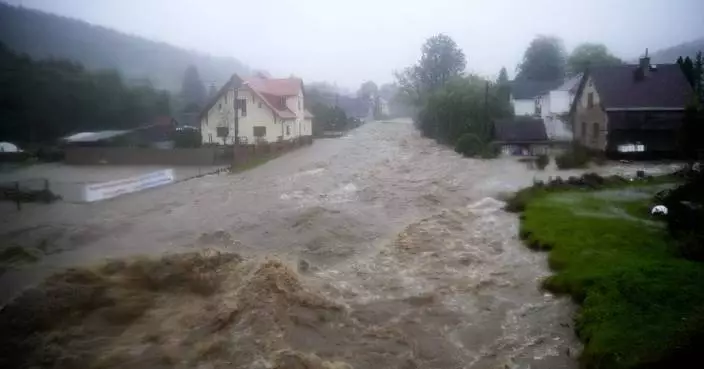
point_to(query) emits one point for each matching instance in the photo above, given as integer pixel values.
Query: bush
(542, 161)
(187, 138)
(576, 157)
(490, 151)
(469, 145)
(685, 216)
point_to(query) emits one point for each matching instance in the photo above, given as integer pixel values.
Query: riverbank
(641, 304)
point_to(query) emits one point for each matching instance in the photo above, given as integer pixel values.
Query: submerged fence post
(17, 195)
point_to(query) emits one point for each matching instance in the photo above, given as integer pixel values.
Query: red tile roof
(275, 91)
(272, 91)
(278, 87)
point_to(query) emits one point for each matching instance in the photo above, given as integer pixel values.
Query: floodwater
(406, 235)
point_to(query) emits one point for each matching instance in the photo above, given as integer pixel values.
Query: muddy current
(405, 237)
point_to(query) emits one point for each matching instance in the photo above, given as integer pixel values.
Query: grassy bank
(641, 305)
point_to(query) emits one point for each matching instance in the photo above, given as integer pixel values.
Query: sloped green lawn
(641, 305)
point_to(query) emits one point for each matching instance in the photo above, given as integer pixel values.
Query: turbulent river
(408, 236)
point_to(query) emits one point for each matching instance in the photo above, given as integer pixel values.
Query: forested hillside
(43, 100)
(42, 35)
(671, 54)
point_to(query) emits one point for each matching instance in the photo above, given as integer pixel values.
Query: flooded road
(405, 234)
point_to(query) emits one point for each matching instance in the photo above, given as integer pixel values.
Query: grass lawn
(642, 306)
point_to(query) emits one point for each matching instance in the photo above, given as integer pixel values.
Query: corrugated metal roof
(93, 136)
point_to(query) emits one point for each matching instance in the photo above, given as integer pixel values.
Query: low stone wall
(203, 156)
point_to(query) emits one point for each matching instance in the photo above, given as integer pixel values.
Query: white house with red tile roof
(269, 110)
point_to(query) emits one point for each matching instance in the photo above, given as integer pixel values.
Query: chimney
(644, 65)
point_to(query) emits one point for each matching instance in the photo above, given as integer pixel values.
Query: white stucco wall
(259, 114)
(221, 114)
(589, 88)
(523, 106)
(560, 102)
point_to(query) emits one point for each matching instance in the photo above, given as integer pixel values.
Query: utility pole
(486, 111)
(236, 106)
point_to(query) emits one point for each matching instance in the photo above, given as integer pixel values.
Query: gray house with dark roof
(624, 109)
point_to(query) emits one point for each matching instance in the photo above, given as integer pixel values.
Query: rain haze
(349, 42)
(367, 184)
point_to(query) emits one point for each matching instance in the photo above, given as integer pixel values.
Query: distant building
(624, 108)
(268, 110)
(525, 95)
(555, 107)
(521, 135)
(355, 107)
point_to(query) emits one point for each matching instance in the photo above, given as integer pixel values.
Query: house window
(222, 131)
(260, 105)
(259, 131)
(590, 100)
(584, 130)
(243, 106)
(220, 107)
(595, 131)
(299, 104)
(537, 107)
(288, 130)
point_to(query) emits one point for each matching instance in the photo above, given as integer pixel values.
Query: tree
(441, 61)
(43, 100)
(463, 106)
(544, 60)
(368, 90)
(589, 54)
(698, 80)
(193, 90)
(503, 85)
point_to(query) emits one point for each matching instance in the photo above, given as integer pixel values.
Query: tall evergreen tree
(503, 85)
(193, 90)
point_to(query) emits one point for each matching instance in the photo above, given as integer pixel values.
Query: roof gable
(665, 86)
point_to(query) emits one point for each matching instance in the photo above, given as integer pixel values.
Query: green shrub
(542, 161)
(490, 151)
(576, 157)
(685, 217)
(469, 145)
(187, 138)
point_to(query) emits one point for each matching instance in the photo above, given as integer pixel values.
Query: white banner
(108, 190)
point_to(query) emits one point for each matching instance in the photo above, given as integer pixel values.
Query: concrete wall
(590, 125)
(147, 156)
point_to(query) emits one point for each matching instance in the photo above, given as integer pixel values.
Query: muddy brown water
(403, 233)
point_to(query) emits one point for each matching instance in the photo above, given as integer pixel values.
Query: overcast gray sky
(351, 41)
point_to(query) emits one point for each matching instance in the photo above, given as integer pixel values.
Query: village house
(526, 95)
(631, 108)
(268, 110)
(521, 136)
(554, 107)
